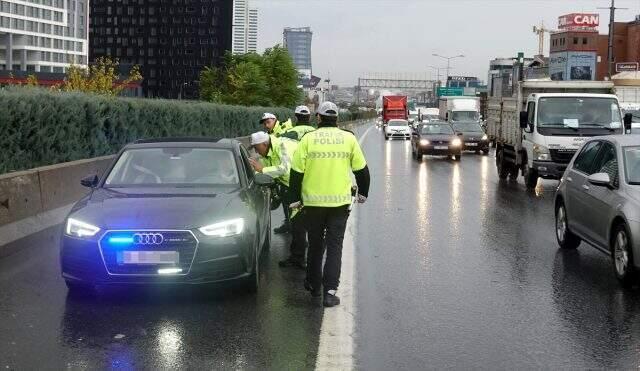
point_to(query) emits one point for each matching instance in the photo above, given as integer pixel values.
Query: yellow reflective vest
(327, 157)
(281, 128)
(277, 162)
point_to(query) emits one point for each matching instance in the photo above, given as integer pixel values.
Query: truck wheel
(503, 169)
(513, 172)
(566, 239)
(530, 177)
(485, 151)
(622, 252)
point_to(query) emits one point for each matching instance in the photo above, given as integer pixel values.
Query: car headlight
(227, 228)
(485, 137)
(456, 142)
(424, 142)
(80, 229)
(541, 153)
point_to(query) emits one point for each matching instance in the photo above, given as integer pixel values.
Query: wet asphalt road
(454, 269)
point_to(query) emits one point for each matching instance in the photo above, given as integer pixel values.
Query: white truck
(457, 109)
(539, 129)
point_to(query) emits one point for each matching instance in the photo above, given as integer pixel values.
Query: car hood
(472, 135)
(149, 209)
(438, 138)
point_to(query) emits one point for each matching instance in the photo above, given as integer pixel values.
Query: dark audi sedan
(436, 138)
(172, 211)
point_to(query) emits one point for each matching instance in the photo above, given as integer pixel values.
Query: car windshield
(632, 164)
(465, 116)
(398, 123)
(468, 128)
(436, 129)
(179, 166)
(579, 112)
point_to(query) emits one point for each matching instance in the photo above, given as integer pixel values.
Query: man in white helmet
(275, 161)
(273, 126)
(302, 124)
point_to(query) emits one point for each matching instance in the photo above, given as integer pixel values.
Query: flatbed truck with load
(394, 107)
(537, 131)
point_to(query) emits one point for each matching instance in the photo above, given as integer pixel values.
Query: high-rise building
(298, 43)
(245, 27)
(44, 35)
(171, 40)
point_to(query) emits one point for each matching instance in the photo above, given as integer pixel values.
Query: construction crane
(540, 31)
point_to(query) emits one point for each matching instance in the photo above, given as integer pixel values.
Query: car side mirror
(90, 181)
(264, 180)
(600, 179)
(524, 119)
(628, 120)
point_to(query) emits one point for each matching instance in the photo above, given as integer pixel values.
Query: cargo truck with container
(537, 131)
(394, 107)
(457, 109)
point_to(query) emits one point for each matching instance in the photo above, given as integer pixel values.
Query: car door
(576, 202)
(258, 196)
(599, 200)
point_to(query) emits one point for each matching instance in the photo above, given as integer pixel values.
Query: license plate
(471, 144)
(441, 147)
(148, 257)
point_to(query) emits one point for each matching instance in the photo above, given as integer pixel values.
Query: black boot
(284, 228)
(330, 300)
(314, 292)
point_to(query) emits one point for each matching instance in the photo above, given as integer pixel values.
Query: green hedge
(38, 127)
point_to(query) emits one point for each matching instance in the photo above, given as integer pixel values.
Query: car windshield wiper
(557, 126)
(598, 126)
(634, 183)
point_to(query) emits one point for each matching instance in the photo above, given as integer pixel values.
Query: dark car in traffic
(170, 211)
(473, 137)
(436, 138)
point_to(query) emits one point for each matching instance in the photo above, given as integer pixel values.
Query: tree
(100, 78)
(252, 79)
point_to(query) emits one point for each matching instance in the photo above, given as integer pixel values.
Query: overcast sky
(354, 37)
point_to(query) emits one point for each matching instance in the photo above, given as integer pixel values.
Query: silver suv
(598, 201)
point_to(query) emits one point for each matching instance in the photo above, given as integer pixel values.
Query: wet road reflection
(458, 269)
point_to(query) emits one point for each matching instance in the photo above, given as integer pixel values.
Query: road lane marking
(335, 350)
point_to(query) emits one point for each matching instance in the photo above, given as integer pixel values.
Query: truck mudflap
(549, 169)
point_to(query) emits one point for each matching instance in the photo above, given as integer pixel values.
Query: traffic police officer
(276, 154)
(321, 182)
(302, 125)
(273, 126)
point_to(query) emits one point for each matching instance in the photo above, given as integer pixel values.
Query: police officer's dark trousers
(326, 227)
(298, 246)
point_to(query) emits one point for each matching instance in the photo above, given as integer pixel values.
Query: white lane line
(335, 351)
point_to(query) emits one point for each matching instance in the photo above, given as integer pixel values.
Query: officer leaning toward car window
(273, 126)
(275, 161)
(321, 182)
(302, 124)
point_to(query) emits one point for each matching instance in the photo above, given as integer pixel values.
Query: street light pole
(448, 62)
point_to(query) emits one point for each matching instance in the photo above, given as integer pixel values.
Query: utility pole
(612, 16)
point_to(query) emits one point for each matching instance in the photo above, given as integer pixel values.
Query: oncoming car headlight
(424, 142)
(456, 142)
(80, 229)
(227, 228)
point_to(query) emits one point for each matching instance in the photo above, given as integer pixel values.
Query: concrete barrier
(36, 199)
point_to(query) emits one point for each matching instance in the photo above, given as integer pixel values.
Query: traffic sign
(448, 92)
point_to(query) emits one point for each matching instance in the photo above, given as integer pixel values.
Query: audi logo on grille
(148, 238)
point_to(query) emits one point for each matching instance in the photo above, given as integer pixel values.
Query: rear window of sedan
(175, 166)
(436, 129)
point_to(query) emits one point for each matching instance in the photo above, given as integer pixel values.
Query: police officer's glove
(361, 199)
(296, 205)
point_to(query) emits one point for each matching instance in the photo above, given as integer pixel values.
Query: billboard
(572, 66)
(626, 66)
(579, 22)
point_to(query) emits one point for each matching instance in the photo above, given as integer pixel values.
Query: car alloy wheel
(561, 224)
(621, 253)
(566, 239)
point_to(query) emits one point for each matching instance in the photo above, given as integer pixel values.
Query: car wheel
(417, 155)
(503, 169)
(623, 256)
(530, 177)
(566, 239)
(80, 288)
(485, 151)
(456, 157)
(386, 137)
